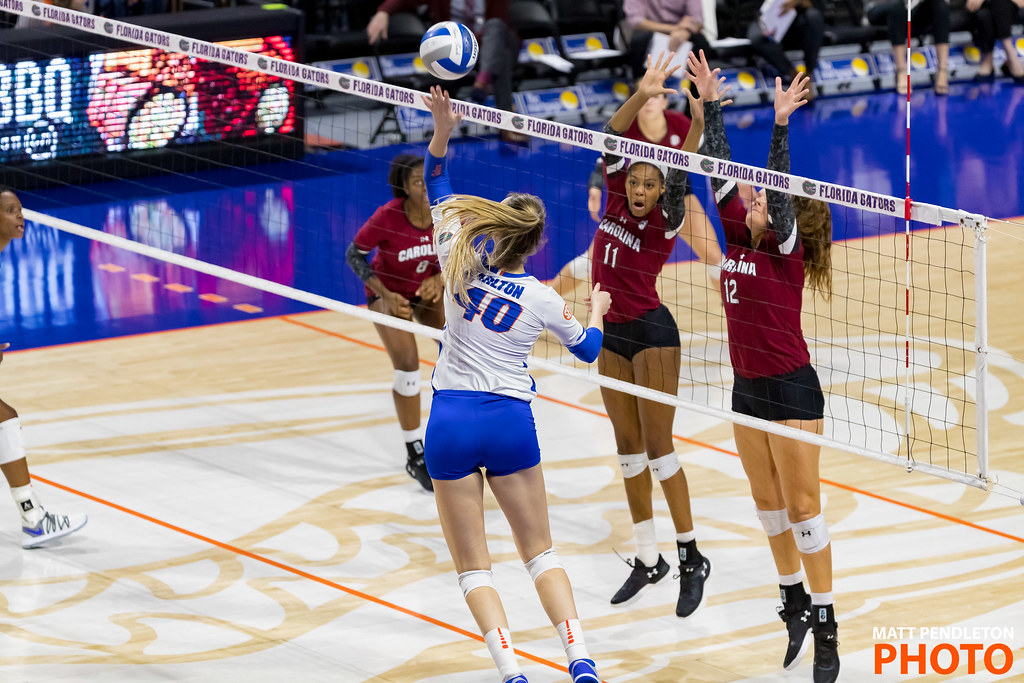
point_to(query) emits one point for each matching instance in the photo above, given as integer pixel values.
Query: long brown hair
(814, 221)
(502, 234)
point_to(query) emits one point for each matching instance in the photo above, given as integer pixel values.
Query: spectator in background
(992, 21)
(489, 20)
(807, 32)
(925, 14)
(680, 20)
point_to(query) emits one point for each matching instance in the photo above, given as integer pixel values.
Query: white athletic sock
(686, 536)
(791, 579)
(31, 509)
(499, 644)
(822, 599)
(411, 435)
(571, 634)
(646, 542)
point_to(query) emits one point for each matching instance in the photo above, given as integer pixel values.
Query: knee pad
(579, 267)
(811, 535)
(664, 467)
(715, 270)
(407, 383)
(12, 448)
(774, 522)
(632, 464)
(476, 578)
(542, 563)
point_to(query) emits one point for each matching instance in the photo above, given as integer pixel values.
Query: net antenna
(947, 442)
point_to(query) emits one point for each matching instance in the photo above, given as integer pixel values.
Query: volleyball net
(183, 121)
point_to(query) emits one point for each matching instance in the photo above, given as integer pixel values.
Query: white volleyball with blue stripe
(448, 50)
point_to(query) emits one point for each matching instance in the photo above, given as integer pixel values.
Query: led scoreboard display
(120, 101)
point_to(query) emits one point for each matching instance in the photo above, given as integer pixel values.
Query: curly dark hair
(402, 167)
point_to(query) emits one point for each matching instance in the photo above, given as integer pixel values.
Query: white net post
(978, 225)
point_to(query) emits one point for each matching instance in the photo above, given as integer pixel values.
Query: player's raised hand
(788, 101)
(697, 103)
(440, 104)
(707, 80)
(653, 82)
(599, 301)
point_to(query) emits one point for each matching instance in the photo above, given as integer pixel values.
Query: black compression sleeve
(780, 204)
(356, 259)
(677, 186)
(716, 144)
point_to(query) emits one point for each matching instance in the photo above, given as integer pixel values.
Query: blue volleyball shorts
(469, 430)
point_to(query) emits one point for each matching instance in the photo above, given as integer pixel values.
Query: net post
(979, 225)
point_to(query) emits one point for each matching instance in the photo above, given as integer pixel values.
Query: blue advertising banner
(550, 103)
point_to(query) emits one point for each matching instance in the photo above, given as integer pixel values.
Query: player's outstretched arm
(435, 166)
(780, 204)
(710, 87)
(651, 85)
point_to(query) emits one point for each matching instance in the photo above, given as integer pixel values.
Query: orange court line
(598, 413)
(290, 569)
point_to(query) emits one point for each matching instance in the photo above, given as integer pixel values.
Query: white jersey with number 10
(488, 337)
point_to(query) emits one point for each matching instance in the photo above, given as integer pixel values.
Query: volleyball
(448, 50)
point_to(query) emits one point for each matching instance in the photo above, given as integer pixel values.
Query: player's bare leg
(518, 495)
(658, 369)
(648, 566)
(797, 464)
(765, 488)
(460, 507)
(404, 355)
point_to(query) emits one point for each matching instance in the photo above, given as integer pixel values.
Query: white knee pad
(542, 563)
(579, 267)
(774, 522)
(476, 578)
(811, 535)
(407, 383)
(12, 448)
(632, 464)
(664, 467)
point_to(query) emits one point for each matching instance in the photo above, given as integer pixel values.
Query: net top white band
(549, 130)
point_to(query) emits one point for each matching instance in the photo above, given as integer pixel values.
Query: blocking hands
(653, 82)
(788, 101)
(710, 85)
